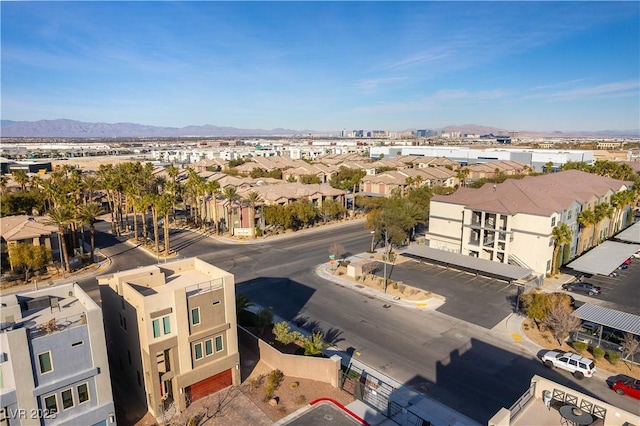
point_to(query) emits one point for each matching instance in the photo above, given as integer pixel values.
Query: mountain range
(64, 128)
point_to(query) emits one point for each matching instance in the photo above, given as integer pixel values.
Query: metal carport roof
(488, 267)
(609, 317)
(631, 234)
(605, 258)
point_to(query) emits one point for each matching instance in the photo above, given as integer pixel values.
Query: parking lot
(622, 292)
(476, 299)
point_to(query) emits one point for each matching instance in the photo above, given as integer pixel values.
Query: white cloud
(615, 89)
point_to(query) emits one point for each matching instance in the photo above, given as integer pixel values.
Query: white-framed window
(45, 362)
(67, 399)
(83, 393)
(155, 324)
(219, 343)
(195, 316)
(553, 221)
(198, 350)
(51, 404)
(208, 347)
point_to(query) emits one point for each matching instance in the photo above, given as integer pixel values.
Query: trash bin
(546, 398)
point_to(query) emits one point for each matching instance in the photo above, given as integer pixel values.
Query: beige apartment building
(171, 331)
(512, 222)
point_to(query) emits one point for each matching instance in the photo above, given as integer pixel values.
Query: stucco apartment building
(53, 360)
(512, 222)
(171, 331)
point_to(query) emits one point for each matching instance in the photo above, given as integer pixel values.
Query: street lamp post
(373, 236)
(64, 275)
(386, 256)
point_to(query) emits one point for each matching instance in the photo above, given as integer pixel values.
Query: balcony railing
(204, 287)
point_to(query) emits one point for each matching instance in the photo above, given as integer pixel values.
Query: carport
(605, 258)
(489, 268)
(608, 317)
(631, 234)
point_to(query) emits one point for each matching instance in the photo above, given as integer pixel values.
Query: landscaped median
(360, 272)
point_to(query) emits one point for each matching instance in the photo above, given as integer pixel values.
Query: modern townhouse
(53, 359)
(493, 169)
(171, 331)
(512, 222)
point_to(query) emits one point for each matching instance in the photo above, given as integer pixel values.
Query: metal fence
(522, 402)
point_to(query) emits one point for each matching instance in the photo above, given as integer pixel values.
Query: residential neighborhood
(172, 329)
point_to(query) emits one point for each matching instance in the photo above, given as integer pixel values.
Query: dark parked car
(628, 386)
(590, 289)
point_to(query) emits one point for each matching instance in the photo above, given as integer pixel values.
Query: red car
(627, 386)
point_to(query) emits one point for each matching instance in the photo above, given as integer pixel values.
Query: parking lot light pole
(386, 256)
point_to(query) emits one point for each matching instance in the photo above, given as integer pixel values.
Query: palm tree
(586, 219)
(599, 212)
(88, 214)
(561, 235)
(253, 198)
(91, 183)
(165, 207)
(3, 183)
(21, 178)
(230, 193)
(211, 188)
(61, 216)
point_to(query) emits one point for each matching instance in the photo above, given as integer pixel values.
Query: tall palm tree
(586, 218)
(21, 178)
(230, 193)
(88, 214)
(164, 206)
(561, 235)
(91, 184)
(211, 190)
(253, 198)
(61, 216)
(599, 212)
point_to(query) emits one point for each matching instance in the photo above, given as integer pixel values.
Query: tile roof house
(495, 168)
(384, 184)
(28, 230)
(512, 222)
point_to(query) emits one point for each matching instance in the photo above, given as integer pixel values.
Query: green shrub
(613, 356)
(579, 346)
(395, 286)
(597, 352)
(274, 380)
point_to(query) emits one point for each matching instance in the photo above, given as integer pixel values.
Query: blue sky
(325, 66)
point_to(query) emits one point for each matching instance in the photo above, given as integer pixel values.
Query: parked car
(627, 386)
(577, 365)
(590, 289)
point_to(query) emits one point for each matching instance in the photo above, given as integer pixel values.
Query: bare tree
(561, 321)
(337, 250)
(630, 346)
(370, 268)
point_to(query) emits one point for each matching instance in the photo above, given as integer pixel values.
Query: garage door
(211, 385)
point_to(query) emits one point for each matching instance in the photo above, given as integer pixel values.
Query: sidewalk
(101, 265)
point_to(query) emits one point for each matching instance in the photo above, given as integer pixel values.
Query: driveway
(475, 299)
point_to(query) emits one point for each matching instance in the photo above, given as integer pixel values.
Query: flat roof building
(53, 359)
(172, 331)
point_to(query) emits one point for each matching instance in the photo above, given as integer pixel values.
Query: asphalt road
(464, 365)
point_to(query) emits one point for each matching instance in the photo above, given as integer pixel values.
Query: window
(51, 404)
(1, 379)
(208, 347)
(217, 302)
(78, 343)
(123, 322)
(44, 360)
(569, 214)
(166, 325)
(553, 221)
(67, 399)
(198, 350)
(548, 265)
(551, 241)
(195, 316)
(218, 343)
(83, 393)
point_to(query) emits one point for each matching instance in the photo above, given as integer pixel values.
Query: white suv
(578, 365)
